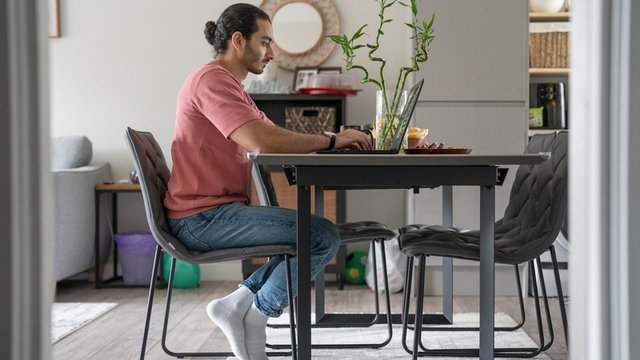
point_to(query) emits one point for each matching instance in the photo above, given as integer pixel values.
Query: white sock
(228, 313)
(255, 333)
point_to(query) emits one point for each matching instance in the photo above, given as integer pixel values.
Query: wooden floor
(118, 333)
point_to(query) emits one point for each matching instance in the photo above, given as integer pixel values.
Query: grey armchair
(74, 178)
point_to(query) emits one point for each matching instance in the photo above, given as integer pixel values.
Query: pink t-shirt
(209, 169)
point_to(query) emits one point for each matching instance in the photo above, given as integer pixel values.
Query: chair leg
(545, 298)
(523, 316)
(387, 296)
(406, 303)
(536, 299)
(152, 287)
(417, 333)
(376, 301)
(563, 309)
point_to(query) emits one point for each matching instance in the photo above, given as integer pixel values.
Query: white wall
(120, 63)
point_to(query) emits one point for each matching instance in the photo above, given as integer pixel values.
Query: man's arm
(259, 136)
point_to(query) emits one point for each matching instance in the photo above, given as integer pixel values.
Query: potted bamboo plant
(390, 97)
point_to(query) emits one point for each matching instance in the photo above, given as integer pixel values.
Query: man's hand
(354, 139)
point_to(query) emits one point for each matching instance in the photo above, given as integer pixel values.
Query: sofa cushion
(68, 152)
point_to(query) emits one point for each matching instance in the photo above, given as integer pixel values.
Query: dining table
(345, 171)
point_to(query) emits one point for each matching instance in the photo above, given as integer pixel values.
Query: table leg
(114, 229)
(96, 251)
(304, 273)
(487, 272)
(319, 279)
(447, 263)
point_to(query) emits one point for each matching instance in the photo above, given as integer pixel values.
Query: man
(217, 123)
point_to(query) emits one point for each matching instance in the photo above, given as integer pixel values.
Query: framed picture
(301, 77)
(330, 70)
(54, 18)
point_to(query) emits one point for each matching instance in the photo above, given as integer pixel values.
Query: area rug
(394, 350)
(69, 317)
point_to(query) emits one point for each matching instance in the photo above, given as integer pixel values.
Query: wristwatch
(332, 139)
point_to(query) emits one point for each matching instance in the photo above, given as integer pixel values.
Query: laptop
(396, 142)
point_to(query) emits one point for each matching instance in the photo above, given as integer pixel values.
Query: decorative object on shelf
(549, 45)
(300, 29)
(546, 6)
(567, 5)
(302, 76)
(391, 100)
(551, 98)
(535, 117)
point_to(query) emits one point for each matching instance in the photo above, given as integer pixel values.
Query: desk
(397, 172)
(114, 190)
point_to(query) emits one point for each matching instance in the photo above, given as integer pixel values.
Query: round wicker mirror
(300, 28)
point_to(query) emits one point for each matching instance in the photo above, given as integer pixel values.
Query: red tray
(327, 91)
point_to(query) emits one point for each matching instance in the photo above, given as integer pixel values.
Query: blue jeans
(237, 225)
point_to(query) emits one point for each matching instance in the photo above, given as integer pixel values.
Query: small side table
(114, 189)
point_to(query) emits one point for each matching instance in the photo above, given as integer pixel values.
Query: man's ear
(237, 41)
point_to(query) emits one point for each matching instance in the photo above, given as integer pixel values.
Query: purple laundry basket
(136, 250)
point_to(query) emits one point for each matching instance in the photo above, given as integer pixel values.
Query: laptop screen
(405, 116)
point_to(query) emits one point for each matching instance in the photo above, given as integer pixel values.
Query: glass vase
(387, 125)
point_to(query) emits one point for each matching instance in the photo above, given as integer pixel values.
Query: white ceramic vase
(546, 6)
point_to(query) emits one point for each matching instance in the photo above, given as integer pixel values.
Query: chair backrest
(537, 203)
(264, 186)
(154, 175)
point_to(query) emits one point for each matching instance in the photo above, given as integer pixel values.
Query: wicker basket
(310, 119)
(549, 45)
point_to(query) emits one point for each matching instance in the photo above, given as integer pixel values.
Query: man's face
(258, 51)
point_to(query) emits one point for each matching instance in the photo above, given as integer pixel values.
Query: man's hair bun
(210, 31)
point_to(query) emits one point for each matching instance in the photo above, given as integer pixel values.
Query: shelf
(549, 17)
(544, 131)
(549, 71)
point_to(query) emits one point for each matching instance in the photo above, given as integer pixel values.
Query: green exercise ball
(186, 275)
(354, 269)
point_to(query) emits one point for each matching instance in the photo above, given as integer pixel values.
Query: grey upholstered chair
(154, 175)
(532, 221)
(351, 232)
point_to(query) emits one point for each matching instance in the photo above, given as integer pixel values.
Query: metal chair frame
(499, 352)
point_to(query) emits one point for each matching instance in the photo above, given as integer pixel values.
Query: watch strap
(332, 139)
